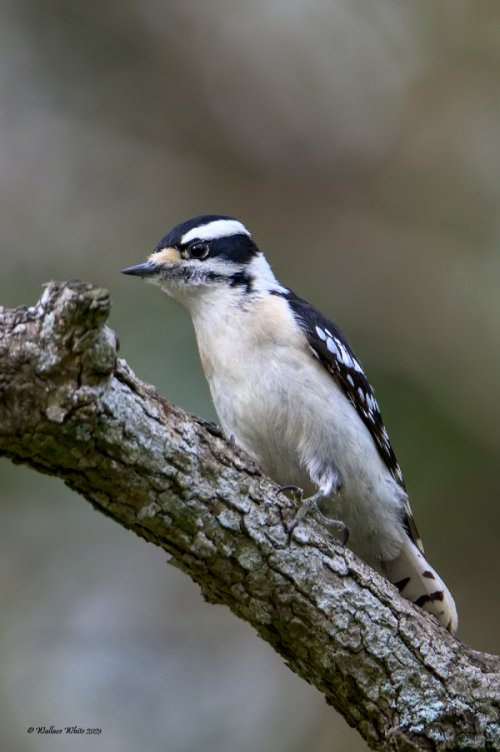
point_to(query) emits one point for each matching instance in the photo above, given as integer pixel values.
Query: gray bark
(71, 408)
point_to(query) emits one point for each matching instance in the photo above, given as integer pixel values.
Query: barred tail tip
(417, 581)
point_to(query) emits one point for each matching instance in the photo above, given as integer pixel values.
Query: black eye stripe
(237, 249)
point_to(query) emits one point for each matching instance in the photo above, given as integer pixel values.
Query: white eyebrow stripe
(219, 228)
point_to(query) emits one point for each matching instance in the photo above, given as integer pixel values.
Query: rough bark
(69, 407)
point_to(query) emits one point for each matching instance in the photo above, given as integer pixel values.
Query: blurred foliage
(359, 141)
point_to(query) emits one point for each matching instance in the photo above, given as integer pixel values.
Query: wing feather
(330, 347)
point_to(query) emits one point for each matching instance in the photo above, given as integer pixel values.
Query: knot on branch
(63, 338)
(74, 314)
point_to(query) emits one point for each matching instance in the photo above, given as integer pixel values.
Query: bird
(289, 390)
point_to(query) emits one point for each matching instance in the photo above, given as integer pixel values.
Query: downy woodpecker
(288, 387)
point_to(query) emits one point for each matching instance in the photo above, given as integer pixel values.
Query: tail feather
(416, 580)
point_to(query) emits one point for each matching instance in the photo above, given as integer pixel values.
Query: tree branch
(69, 407)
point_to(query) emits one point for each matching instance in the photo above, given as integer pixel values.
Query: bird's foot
(311, 506)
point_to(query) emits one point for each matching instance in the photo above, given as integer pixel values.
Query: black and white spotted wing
(328, 344)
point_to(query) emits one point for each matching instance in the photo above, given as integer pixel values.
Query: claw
(291, 527)
(346, 536)
(338, 527)
(297, 492)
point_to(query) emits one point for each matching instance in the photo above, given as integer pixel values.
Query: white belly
(289, 414)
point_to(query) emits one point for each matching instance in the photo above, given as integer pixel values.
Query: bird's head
(206, 254)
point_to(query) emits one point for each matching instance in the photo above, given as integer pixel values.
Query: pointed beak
(147, 269)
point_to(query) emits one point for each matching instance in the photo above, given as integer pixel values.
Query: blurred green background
(360, 143)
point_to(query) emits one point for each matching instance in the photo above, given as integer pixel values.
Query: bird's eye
(198, 250)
